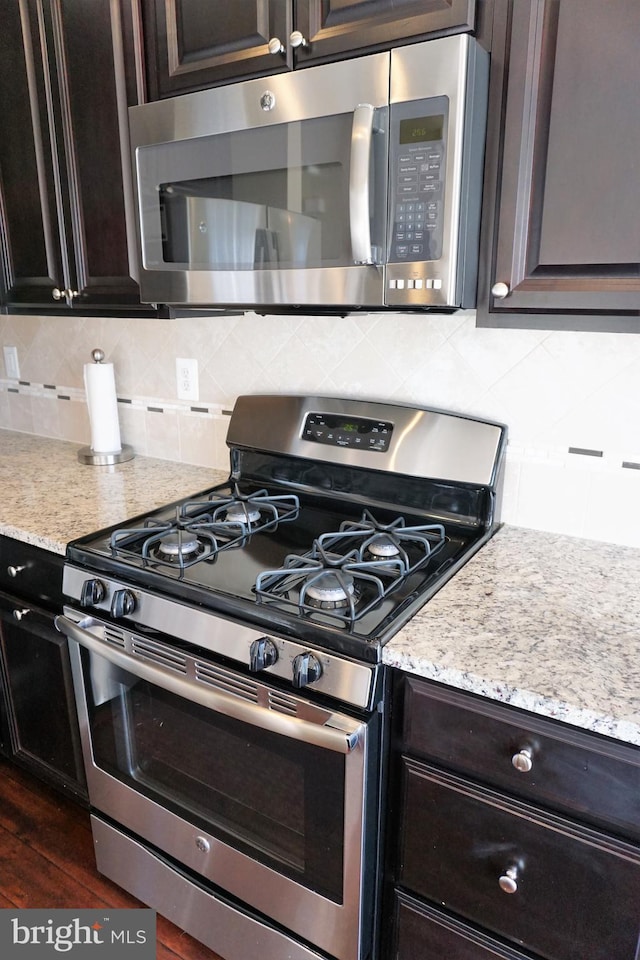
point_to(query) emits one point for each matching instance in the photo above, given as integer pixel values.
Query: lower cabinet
(38, 725)
(482, 863)
(423, 933)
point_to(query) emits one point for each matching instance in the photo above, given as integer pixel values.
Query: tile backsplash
(571, 400)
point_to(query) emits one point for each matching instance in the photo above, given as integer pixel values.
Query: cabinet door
(68, 71)
(29, 229)
(422, 933)
(336, 27)
(567, 234)
(39, 700)
(552, 887)
(191, 45)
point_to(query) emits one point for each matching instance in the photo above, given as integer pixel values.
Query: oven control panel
(356, 433)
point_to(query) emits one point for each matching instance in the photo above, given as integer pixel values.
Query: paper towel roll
(100, 388)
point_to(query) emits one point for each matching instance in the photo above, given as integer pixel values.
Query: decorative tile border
(155, 404)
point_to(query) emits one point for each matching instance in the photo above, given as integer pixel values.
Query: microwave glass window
(271, 198)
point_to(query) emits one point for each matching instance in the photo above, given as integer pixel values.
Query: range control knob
(123, 603)
(263, 653)
(93, 592)
(306, 669)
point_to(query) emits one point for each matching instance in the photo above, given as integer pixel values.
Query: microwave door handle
(361, 134)
(341, 739)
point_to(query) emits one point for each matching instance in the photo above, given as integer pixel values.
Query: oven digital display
(355, 432)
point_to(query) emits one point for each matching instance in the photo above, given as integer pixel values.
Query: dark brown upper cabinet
(332, 28)
(68, 71)
(561, 233)
(191, 45)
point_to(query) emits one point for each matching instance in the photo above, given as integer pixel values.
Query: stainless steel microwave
(352, 185)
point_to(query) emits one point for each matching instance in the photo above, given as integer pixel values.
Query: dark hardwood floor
(46, 860)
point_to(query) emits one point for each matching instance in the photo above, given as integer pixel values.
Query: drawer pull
(509, 880)
(21, 614)
(523, 760)
(14, 571)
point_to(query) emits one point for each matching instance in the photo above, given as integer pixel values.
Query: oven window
(279, 800)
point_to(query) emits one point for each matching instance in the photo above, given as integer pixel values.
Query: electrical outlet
(11, 362)
(187, 379)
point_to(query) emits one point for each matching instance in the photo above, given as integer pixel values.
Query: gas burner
(381, 548)
(245, 512)
(166, 544)
(181, 544)
(329, 590)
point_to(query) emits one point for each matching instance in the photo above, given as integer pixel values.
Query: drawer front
(31, 573)
(593, 778)
(575, 893)
(421, 933)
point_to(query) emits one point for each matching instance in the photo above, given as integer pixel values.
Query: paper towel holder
(103, 459)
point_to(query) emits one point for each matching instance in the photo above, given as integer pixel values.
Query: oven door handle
(335, 732)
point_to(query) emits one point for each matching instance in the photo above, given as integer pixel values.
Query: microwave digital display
(421, 129)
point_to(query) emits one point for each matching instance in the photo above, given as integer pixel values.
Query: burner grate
(202, 528)
(244, 513)
(354, 568)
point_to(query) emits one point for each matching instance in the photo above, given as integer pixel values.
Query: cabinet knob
(297, 40)
(275, 46)
(500, 290)
(523, 760)
(21, 614)
(14, 571)
(59, 294)
(509, 880)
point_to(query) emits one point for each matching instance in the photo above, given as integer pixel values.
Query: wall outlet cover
(11, 363)
(187, 379)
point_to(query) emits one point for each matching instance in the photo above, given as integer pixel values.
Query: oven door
(268, 192)
(258, 791)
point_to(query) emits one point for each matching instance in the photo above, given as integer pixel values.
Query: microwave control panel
(418, 139)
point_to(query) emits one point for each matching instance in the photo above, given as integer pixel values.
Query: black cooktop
(370, 564)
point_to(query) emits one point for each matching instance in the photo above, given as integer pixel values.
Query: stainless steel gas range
(226, 652)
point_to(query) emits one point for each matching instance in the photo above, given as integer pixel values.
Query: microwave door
(287, 209)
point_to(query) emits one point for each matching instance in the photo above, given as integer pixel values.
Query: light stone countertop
(47, 497)
(545, 622)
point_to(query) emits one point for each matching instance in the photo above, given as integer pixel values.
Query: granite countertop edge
(544, 622)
